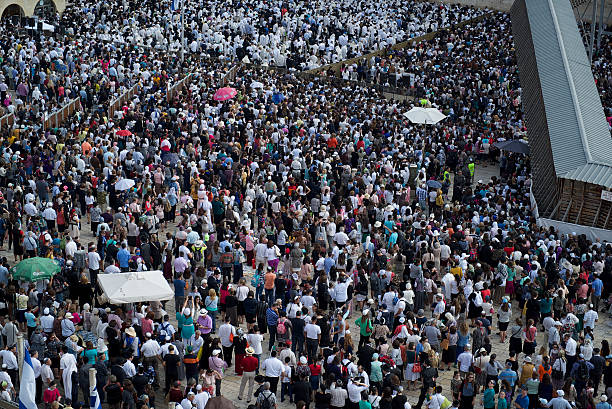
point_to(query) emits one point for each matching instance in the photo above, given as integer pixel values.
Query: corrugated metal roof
(578, 131)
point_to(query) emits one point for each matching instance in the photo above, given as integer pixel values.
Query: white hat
(216, 352)
(303, 360)
(46, 311)
(560, 393)
(187, 311)
(402, 320)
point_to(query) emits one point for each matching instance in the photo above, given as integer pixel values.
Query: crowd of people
(361, 246)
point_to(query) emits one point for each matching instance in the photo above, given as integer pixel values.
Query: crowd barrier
(229, 76)
(336, 67)
(58, 117)
(173, 90)
(7, 121)
(117, 103)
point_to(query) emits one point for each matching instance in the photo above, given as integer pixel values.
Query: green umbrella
(35, 268)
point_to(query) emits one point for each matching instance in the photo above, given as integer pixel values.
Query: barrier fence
(58, 117)
(117, 103)
(173, 90)
(229, 76)
(336, 67)
(7, 121)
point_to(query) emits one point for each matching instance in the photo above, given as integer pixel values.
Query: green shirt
(502, 404)
(365, 327)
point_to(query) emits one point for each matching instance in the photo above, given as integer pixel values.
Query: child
(286, 381)
(502, 403)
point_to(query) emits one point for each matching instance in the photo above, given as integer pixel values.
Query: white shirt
(570, 347)
(224, 334)
(354, 391)
(93, 260)
(201, 399)
(47, 374)
(255, 341)
(150, 348)
(342, 290)
(292, 309)
(46, 322)
(465, 359)
(36, 366)
(312, 331)
(590, 317)
(71, 248)
(129, 369)
(273, 367)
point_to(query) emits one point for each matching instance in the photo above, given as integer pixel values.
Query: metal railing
(58, 117)
(117, 103)
(176, 88)
(336, 67)
(7, 121)
(229, 76)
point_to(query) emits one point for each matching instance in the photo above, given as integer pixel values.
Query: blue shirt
(179, 288)
(30, 319)
(597, 285)
(522, 401)
(124, 258)
(271, 317)
(509, 375)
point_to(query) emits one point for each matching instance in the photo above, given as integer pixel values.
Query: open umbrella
(418, 115)
(225, 93)
(515, 145)
(35, 269)
(256, 85)
(171, 157)
(124, 184)
(123, 132)
(434, 184)
(219, 402)
(277, 97)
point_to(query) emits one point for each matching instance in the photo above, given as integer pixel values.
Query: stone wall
(28, 5)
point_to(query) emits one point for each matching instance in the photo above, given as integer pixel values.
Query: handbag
(444, 344)
(416, 367)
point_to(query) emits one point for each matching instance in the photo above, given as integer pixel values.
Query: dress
(188, 329)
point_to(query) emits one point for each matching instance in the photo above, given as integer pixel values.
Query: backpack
(265, 403)
(583, 372)
(281, 329)
(395, 300)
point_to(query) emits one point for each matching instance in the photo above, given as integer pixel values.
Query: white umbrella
(418, 115)
(124, 184)
(256, 84)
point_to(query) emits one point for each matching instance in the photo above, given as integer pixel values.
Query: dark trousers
(273, 383)
(39, 385)
(312, 346)
(297, 344)
(272, 329)
(217, 387)
(363, 340)
(227, 354)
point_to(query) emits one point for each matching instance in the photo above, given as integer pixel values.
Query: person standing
(273, 368)
(249, 366)
(312, 333)
(272, 321)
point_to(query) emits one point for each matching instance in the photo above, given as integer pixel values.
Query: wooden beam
(552, 215)
(584, 187)
(567, 210)
(597, 214)
(607, 217)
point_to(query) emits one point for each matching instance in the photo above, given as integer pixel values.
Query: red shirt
(249, 364)
(315, 369)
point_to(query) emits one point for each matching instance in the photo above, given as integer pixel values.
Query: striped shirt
(271, 317)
